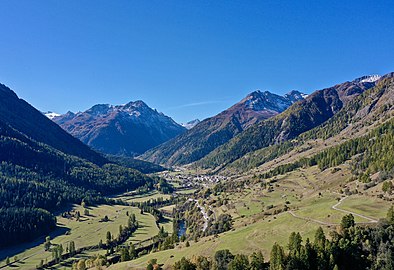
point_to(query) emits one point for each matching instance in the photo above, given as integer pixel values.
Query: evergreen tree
(240, 262)
(125, 256)
(347, 221)
(256, 261)
(184, 264)
(390, 215)
(320, 239)
(223, 258)
(277, 258)
(109, 238)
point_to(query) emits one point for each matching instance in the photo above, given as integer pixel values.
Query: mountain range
(215, 131)
(324, 113)
(126, 130)
(258, 121)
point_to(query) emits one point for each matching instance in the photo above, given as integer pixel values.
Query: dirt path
(335, 207)
(204, 214)
(312, 220)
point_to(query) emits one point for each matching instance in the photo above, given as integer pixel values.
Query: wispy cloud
(196, 104)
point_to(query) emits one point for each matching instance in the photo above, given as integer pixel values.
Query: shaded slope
(22, 116)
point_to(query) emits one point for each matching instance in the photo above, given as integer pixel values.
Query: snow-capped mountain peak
(191, 124)
(295, 95)
(127, 129)
(260, 101)
(51, 115)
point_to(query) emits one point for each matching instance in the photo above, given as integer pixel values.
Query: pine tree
(320, 239)
(347, 221)
(390, 215)
(277, 258)
(109, 238)
(256, 261)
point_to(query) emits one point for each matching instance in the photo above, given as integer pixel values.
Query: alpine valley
(299, 181)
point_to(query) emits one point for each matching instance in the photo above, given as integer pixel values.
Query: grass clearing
(144, 197)
(186, 191)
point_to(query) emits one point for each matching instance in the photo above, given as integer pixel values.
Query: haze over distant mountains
(128, 129)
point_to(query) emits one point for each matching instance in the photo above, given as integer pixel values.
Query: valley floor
(300, 201)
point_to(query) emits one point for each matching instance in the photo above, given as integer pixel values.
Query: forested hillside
(36, 178)
(370, 154)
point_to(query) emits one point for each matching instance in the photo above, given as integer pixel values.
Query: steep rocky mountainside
(128, 130)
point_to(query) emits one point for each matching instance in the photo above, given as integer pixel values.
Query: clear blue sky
(189, 59)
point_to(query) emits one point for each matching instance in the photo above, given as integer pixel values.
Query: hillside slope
(297, 119)
(365, 112)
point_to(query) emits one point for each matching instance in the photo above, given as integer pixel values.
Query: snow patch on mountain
(371, 78)
(368, 79)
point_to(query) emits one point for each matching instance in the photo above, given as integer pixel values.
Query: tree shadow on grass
(20, 248)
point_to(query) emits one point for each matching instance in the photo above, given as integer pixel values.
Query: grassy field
(144, 197)
(258, 236)
(187, 191)
(86, 232)
(308, 193)
(252, 231)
